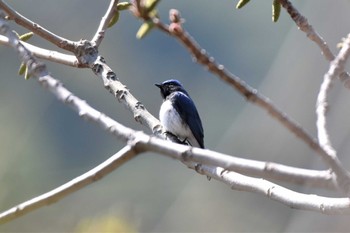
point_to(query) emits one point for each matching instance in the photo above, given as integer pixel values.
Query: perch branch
(175, 29)
(139, 141)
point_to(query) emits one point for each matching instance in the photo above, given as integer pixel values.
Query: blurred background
(45, 144)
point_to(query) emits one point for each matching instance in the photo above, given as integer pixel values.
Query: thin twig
(303, 24)
(48, 55)
(95, 174)
(99, 35)
(37, 29)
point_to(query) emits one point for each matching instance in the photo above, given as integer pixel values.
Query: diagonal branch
(303, 24)
(36, 28)
(99, 35)
(87, 56)
(95, 174)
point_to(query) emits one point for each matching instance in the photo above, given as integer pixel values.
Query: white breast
(173, 123)
(169, 118)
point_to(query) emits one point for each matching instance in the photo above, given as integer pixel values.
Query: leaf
(241, 3)
(26, 36)
(26, 74)
(114, 19)
(151, 5)
(22, 69)
(123, 6)
(276, 10)
(145, 28)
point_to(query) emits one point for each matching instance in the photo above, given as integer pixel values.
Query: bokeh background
(44, 144)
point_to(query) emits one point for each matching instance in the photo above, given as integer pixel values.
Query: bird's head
(170, 86)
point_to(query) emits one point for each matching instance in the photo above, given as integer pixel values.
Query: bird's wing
(188, 111)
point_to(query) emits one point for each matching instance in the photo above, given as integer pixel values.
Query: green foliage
(145, 28)
(114, 19)
(23, 68)
(241, 3)
(276, 8)
(120, 7)
(26, 74)
(150, 5)
(149, 11)
(26, 36)
(123, 6)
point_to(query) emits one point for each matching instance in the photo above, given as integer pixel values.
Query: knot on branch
(158, 131)
(86, 52)
(36, 68)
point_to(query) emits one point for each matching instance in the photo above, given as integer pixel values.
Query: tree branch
(335, 69)
(175, 29)
(278, 193)
(99, 35)
(303, 24)
(123, 95)
(48, 55)
(87, 56)
(37, 29)
(140, 142)
(70, 187)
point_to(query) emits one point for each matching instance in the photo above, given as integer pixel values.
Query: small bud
(145, 28)
(174, 16)
(123, 6)
(22, 69)
(26, 36)
(175, 28)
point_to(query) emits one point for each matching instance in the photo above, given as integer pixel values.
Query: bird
(178, 114)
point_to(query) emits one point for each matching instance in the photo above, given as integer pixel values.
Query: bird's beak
(158, 85)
